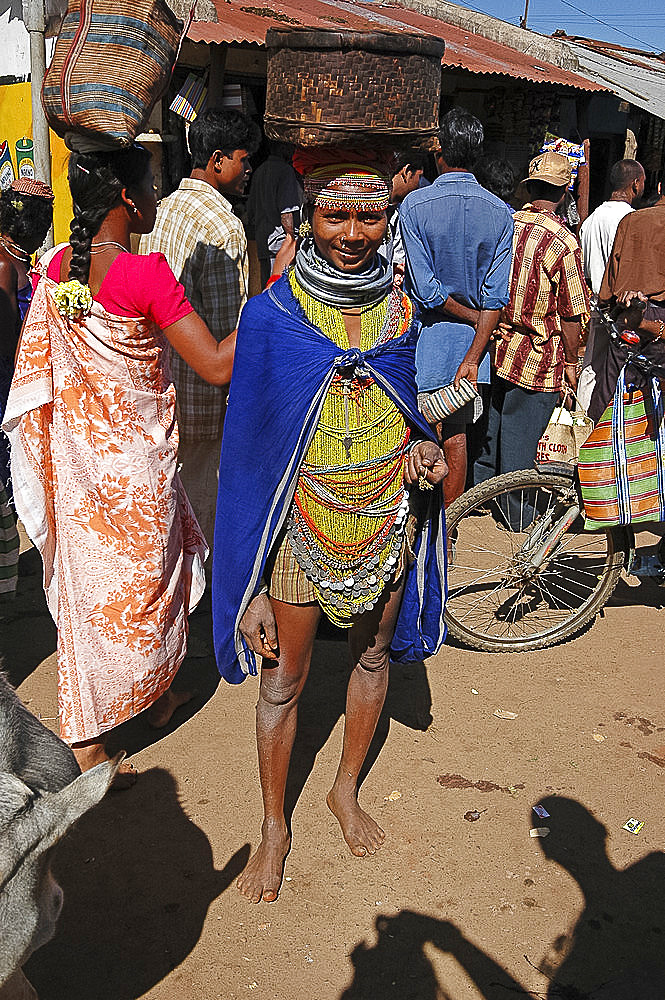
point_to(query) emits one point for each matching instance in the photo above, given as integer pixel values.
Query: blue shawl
(282, 371)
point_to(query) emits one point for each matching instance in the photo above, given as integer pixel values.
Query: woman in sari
(323, 401)
(91, 417)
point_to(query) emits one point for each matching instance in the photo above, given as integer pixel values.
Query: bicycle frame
(552, 539)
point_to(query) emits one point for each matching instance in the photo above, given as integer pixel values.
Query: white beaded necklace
(100, 247)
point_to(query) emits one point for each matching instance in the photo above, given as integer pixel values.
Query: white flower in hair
(73, 299)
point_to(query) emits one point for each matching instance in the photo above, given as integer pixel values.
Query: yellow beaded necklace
(346, 526)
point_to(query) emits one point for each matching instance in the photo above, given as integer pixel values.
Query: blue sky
(638, 25)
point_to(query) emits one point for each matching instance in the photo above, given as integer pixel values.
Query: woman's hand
(259, 628)
(195, 344)
(285, 256)
(425, 460)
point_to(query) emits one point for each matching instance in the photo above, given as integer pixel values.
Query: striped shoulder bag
(622, 462)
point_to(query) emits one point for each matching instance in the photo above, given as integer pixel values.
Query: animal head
(31, 824)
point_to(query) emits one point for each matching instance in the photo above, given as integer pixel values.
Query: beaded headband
(347, 186)
(30, 186)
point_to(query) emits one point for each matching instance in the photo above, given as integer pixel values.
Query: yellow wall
(16, 122)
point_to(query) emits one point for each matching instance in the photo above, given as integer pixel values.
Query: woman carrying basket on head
(91, 417)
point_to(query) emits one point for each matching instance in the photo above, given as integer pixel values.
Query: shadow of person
(397, 967)
(138, 878)
(322, 703)
(616, 950)
(647, 594)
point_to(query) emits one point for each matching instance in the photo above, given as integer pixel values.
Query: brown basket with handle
(327, 87)
(112, 62)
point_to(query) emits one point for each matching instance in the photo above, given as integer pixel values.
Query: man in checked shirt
(536, 357)
(205, 245)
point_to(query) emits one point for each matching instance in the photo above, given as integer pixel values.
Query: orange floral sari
(91, 418)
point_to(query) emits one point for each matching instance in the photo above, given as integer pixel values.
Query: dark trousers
(266, 270)
(515, 421)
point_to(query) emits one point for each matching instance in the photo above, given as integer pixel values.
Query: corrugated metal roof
(239, 21)
(634, 76)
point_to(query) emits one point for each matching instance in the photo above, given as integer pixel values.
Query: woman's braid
(82, 230)
(96, 181)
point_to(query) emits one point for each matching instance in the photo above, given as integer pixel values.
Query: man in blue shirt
(458, 242)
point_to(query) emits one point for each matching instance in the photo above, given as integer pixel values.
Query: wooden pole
(216, 78)
(583, 183)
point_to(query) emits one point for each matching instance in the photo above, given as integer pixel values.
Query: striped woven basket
(113, 60)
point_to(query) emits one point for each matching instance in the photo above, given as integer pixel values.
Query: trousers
(516, 419)
(199, 472)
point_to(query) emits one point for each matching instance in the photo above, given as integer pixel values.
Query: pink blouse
(138, 285)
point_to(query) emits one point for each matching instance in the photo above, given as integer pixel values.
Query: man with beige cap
(536, 358)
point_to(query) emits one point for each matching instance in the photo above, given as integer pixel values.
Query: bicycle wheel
(501, 596)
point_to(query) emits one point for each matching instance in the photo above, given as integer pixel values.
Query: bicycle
(524, 572)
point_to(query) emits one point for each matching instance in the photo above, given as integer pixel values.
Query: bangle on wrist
(661, 329)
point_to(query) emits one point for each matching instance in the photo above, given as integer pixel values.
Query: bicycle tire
(474, 502)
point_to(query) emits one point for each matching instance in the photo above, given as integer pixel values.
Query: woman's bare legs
(369, 644)
(282, 682)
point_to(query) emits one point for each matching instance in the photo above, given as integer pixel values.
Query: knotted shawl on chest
(282, 371)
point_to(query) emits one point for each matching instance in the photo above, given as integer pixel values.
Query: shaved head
(624, 173)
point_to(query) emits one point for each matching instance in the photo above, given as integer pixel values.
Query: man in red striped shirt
(536, 358)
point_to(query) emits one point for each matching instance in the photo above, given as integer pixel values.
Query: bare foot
(161, 712)
(90, 754)
(262, 878)
(361, 832)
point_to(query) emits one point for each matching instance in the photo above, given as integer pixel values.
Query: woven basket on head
(112, 62)
(327, 88)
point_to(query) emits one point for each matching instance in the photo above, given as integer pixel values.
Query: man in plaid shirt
(536, 358)
(205, 245)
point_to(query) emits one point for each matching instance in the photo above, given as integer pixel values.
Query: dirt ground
(449, 908)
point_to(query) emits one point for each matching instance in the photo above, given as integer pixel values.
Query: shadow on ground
(645, 595)
(614, 951)
(138, 877)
